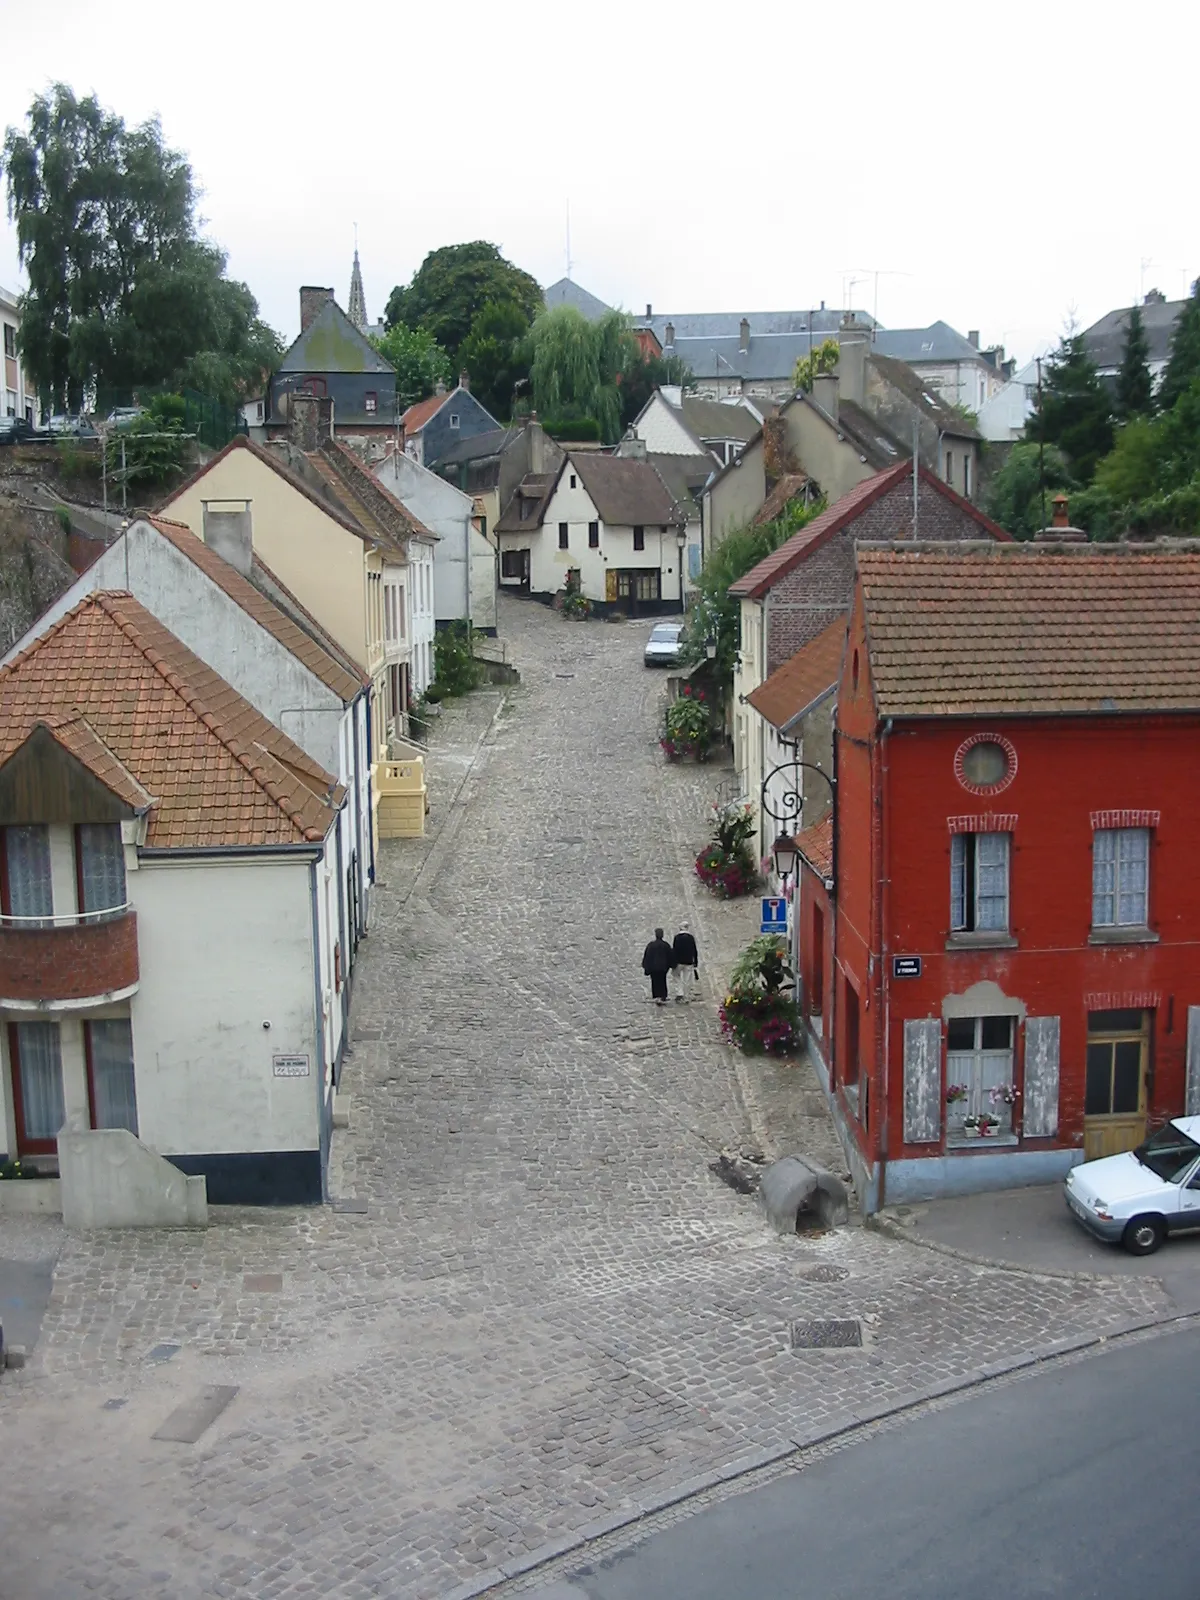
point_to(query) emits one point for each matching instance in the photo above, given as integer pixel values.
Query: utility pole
(916, 473)
(1041, 444)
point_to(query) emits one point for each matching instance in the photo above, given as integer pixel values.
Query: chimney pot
(312, 299)
(1060, 518)
(649, 311)
(670, 339)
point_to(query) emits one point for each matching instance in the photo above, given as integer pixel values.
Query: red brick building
(1009, 964)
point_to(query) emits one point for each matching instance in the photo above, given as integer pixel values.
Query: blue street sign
(774, 914)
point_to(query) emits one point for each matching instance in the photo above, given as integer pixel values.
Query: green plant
(455, 667)
(148, 451)
(756, 1014)
(573, 429)
(575, 603)
(687, 725)
(434, 695)
(14, 1169)
(64, 518)
(726, 864)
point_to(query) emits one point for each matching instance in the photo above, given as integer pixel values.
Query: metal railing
(70, 919)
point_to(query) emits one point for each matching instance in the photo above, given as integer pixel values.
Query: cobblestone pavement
(549, 1310)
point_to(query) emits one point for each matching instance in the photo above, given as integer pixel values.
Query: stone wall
(34, 569)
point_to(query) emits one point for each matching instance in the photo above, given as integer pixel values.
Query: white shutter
(922, 1081)
(1191, 1096)
(1040, 1119)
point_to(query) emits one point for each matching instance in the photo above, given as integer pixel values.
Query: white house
(17, 398)
(677, 424)
(170, 959)
(1004, 416)
(288, 669)
(611, 520)
(464, 559)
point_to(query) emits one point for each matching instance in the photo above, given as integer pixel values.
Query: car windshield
(1167, 1152)
(666, 633)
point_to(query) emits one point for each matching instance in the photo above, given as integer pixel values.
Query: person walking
(686, 973)
(658, 959)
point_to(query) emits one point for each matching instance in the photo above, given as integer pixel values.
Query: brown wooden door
(1118, 1058)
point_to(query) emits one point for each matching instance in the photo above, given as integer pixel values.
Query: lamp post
(791, 808)
(681, 540)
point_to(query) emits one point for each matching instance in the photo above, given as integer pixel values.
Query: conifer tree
(1184, 365)
(1135, 392)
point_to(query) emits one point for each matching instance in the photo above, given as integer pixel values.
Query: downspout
(370, 788)
(885, 884)
(319, 1023)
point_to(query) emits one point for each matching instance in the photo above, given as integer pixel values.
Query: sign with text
(906, 966)
(289, 1066)
(774, 914)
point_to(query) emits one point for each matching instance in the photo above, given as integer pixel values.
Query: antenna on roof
(570, 263)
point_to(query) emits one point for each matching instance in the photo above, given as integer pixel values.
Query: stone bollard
(794, 1186)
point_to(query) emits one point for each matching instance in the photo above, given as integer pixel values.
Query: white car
(1142, 1195)
(662, 647)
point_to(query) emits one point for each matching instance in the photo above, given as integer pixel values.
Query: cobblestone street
(532, 1307)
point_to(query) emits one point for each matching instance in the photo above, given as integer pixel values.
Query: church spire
(357, 308)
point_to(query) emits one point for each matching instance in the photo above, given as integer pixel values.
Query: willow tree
(577, 367)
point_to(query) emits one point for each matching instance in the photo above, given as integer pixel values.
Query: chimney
(743, 336)
(1060, 530)
(852, 369)
(536, 436)
(669, 343)
(649, 311)
(439, 388)
(1155, 297)
(310, 419)
(228, 531)
(464, 381)
(825, 390)
(632, 447)
(973, 337)
(311, 301)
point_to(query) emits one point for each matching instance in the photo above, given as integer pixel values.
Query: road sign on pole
(774, 914)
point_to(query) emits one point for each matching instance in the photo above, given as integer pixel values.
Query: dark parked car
(14, 429)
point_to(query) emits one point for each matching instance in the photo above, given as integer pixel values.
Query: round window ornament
(985, 763)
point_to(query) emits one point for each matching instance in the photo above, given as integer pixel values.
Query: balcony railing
(67, 960)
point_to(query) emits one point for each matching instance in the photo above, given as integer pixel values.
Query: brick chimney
(464, 381)
(311, 301)
(743, 336)
(777, 450)
(669, 340)
(310, 419)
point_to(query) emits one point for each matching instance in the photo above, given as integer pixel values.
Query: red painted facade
(902, 796)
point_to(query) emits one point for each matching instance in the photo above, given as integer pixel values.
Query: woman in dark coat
(657, 960)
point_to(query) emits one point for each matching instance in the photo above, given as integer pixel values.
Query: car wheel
(1143, 1236)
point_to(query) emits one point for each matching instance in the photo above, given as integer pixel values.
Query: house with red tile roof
(803, 590)
(1005, 967)
(238, 618)
(171, 960)
(432, 426)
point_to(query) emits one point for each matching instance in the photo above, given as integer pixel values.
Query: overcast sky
(1002, 167)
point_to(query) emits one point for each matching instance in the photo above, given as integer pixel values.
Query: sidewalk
(1031, 1229)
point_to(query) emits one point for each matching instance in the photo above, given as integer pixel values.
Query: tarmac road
(1080, 1481)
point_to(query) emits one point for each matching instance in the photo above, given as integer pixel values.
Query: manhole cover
(826, 1274)
(830, 1333)
(564, 674)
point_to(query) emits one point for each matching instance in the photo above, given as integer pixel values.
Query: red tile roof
(417, 415)
(271, 459)
(265, 612)
(218, 771)
(781, 496)
(1018, 629)
(840, 515)
(815, 844)
(802, 680)
(77, 736)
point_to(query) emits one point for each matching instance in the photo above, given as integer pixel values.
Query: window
(371, 401)
(572, 480)
(10, 340)
(979, 883)
(639, 538)
(454, 419)
(100, 865)
(979, 1077)
(593, 536)
(1120, 877)
(967, 477)
(646, 586)
(816, 982)
(27, 882)
(564, 536)
(401, 622)
(38, 1082)
(109, 1049)
(950, 468)
(512, 563)
(1116, 1062)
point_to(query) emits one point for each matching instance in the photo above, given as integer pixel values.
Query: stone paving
(549, 1310)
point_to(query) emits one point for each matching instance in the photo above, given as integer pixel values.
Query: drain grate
(827, 1333)
(826, 1274)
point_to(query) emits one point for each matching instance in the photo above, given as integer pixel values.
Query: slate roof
(220, 773)
(626, 492)
(840, 515)
(803, 680)
(727, 324)
(710, 419)
(938, 342)
(1105, 340)
(567, 293)
(527, 505)
(910, 383)
(815, 844)
(265, 612)
(422, 411)
(1027, 630)
(477, 446)
(331, 343)
(878, 447)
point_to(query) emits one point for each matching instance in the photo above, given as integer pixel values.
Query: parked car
(13, 429)
(662, 647)
(70, 423)
(122, 416)
(1139, 1197)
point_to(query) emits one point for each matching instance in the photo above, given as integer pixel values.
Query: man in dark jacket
(657, 960)
(687, 964)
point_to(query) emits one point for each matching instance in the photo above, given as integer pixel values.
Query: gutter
(312, 850)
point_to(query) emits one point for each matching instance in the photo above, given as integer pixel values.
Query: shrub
(455, 667)
(578, 429)
(757, 1016)
(574, 602)
(687, 726)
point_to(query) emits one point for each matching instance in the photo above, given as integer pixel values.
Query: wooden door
(1118, 1058)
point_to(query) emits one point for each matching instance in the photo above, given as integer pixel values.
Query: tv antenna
(570, 263)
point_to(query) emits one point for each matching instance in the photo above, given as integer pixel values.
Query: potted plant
(726, 864)
(687, 726)
(757, 1015)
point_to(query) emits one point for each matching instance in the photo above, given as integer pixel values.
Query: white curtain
(28, 859)
(111, 1046)
(101, 866)
(41, 1079)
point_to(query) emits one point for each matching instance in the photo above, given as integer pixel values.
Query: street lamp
(786, 855)
(791, 805)
(710, 648)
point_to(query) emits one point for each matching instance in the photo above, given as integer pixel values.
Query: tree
(577, 367)
(420, 362)
(1135, 392)
(452, 285)
(123, 293)
(643, 376)
(1015, 493)
(1075, 412)
(1184, 364)
(823, 359)
(497, 353)
(1156, 455)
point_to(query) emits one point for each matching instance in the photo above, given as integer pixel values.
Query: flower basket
(687, 726)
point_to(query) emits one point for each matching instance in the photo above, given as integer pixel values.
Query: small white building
(611, 521)
(17, 398)
(1003, 417)
(233, 614)
(464, 559)
(170, 960)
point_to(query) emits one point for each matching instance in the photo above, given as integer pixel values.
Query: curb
(744, 1466)
(891, 1229)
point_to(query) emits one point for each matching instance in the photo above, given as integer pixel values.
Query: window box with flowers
(687, 726)
(980, 1093)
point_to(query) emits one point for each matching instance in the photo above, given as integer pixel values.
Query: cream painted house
(17, 397)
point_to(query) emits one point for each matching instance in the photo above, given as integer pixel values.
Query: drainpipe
(885, 884)
(318, 1020)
